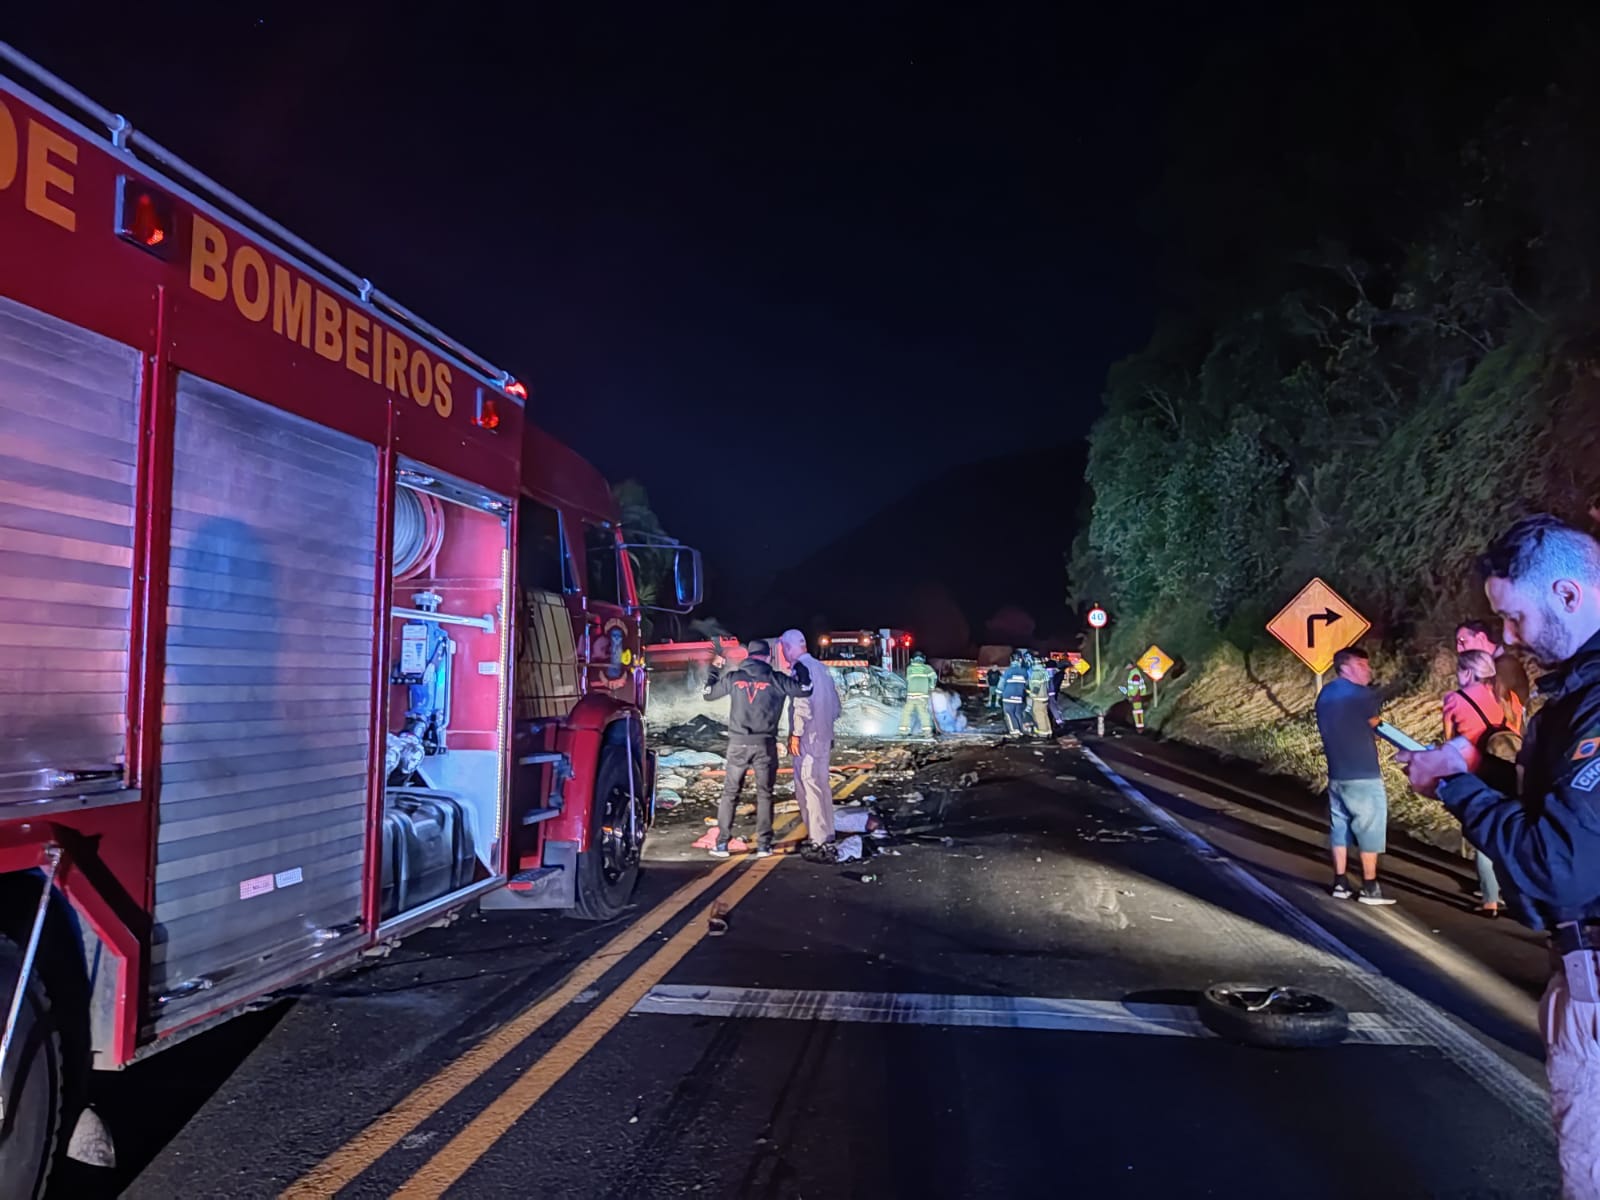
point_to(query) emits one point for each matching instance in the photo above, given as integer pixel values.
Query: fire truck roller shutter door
(266, 725)
(69, 403)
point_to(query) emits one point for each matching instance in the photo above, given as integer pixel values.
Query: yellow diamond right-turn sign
(1317, 624)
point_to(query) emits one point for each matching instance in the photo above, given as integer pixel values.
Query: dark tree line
(1369, 392)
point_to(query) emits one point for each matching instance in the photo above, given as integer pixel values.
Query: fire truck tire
(33, 1084)
(609, 868)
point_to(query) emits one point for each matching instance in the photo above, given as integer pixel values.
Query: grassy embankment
(1257, 705)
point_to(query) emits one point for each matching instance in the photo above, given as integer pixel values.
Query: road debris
(857, 820)
(708, 840)
(691, 758)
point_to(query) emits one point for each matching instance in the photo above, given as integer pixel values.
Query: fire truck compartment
(447, 689)
(69, 403)
(266, 738)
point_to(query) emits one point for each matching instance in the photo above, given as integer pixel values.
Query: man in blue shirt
(1358, 805)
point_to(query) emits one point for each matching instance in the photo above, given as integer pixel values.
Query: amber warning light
(146, 217)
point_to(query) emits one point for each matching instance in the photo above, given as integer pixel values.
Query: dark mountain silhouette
(944, 559)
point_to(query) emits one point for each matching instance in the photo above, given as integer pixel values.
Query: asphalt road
(1002, 1008)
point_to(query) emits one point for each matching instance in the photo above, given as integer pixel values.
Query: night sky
(782, 265)
(695, 231)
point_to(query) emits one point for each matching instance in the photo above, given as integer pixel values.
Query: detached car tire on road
(1272, 1016)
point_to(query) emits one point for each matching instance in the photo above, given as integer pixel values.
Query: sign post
(1316, 625)
(1156, 663)
(1097, 622)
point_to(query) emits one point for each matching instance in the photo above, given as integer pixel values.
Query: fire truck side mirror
(687, 578)
(688, 583)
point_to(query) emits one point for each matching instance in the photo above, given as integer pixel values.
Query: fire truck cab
(308, 638)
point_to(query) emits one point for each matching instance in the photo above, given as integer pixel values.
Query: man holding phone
(1358, 805)
(1541, 823)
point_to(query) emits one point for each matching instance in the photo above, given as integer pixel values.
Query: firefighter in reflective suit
(1039, 697)
(921, 679)
(1136, 690)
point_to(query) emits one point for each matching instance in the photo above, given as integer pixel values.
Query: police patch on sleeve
(1587, 779)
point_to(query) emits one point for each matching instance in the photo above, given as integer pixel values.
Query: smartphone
(1397, 738)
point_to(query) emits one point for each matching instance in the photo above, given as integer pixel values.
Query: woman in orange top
(1470, 712)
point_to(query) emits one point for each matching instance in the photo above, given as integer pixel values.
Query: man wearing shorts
(1358, 806)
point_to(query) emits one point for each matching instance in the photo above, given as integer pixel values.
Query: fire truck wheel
(608, 869)
(32, 1084)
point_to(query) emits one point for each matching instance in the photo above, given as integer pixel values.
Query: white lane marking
(987, 1012)
(1510, 1086)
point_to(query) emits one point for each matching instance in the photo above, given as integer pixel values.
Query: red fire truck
(309, 639)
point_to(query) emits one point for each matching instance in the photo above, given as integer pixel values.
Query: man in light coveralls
(811, 718)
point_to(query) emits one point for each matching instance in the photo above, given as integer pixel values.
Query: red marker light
(146, 218)
(907, 640)
(516, 389)
(146, 225)
(488, 416)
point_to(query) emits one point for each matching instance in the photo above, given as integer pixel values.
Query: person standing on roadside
(811, 719)
(1014, 694)
(1540, 822)
(1136, 689)
(1358, 805)
(1511, 686)
(1474, 712)
(756, 693)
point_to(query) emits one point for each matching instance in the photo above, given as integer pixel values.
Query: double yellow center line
(341, 1167)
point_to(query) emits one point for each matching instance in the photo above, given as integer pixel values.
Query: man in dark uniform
(1540, 822)
(757, 694)
(1014, 693)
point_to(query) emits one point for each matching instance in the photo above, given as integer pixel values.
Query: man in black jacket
(757, 695)
(1542, 825)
